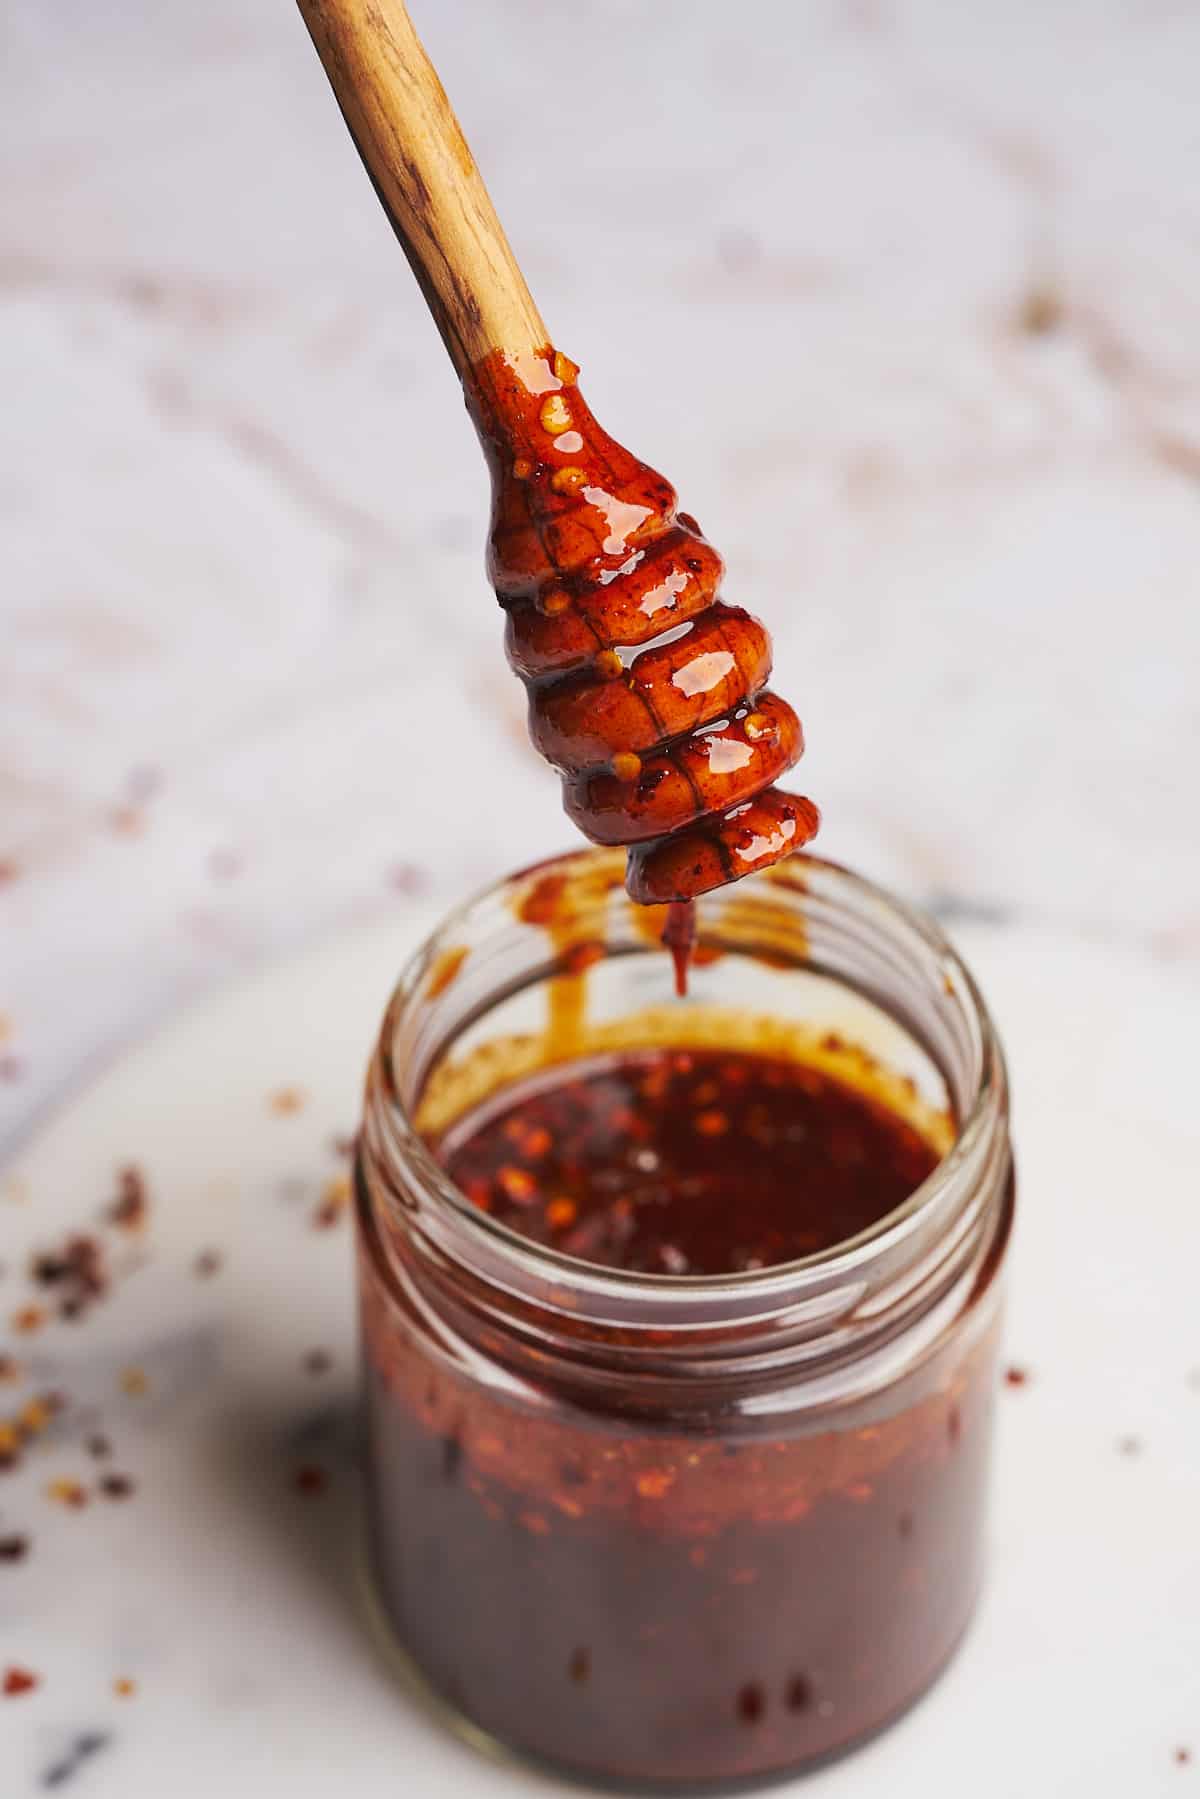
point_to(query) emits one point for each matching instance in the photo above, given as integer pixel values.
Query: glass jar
(680, 1531)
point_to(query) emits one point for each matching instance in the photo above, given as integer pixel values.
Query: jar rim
(747, 1290)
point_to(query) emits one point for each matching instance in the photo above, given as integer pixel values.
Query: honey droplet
(655, 1483)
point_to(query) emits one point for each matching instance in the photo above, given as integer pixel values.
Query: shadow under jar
(680, 1531)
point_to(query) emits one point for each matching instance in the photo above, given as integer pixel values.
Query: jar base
(416, 1684)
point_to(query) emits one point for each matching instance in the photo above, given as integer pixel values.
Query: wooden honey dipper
(646, 690)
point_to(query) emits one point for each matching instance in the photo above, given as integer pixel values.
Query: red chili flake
(711, 1124)
(654, 1483)
(310, 1480)
(116, 1486)
(560, 1213)
(799, 1693)
(654, 1085)
(77, 1269)
(98, 1446)
(335, 1198)
(318, 1361)
(751, 1703)
(128, 1211)
(123, 1687)
(1016, 1377)
(479, 1193)
(536, 1142)
(286, 1100)
(517, 1185)
(48, 1268)
(71, 1493)
(207, 1263)
(19, 1680)
(34, 1416)
(29, 1319)
(14, 1548)
(1183, 1756)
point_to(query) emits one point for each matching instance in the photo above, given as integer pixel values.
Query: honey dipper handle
(425, 176)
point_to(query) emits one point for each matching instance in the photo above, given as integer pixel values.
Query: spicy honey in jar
(680, 1319)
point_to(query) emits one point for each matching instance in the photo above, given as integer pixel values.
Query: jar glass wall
(664, 1530)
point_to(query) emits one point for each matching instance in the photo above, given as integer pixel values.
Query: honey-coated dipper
(646, 691)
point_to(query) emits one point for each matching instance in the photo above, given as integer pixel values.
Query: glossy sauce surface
(646, 690)
(687, 1162)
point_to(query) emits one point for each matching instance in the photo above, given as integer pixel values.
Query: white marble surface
(950, 446)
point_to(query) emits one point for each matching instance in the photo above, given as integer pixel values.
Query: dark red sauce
(688, 1162)
(679, 937)
(689, 1591)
